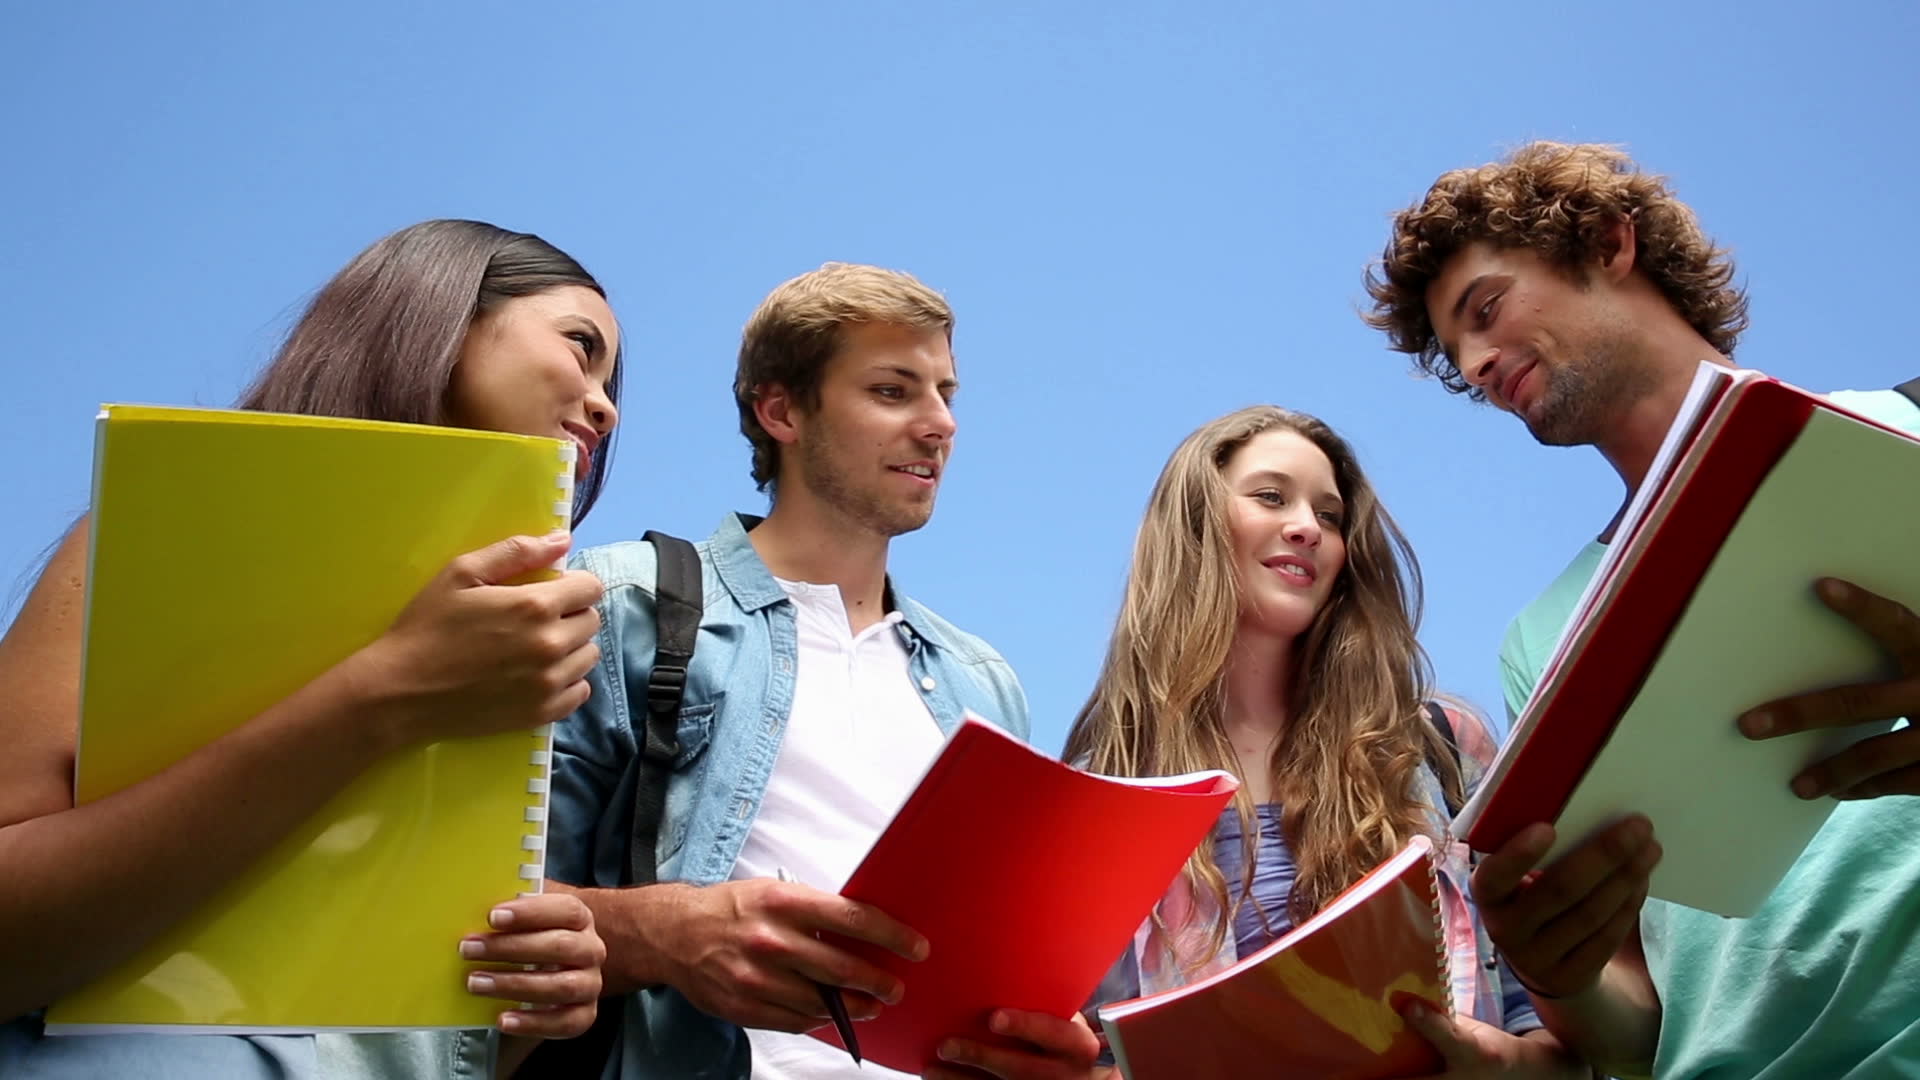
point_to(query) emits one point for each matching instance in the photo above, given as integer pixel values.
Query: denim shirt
(734, 713)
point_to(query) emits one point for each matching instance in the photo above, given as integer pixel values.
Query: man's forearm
(1615, 1025)
(630, 921)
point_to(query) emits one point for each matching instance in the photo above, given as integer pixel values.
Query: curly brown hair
(1561, 201)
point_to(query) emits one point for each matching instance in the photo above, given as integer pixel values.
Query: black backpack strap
(1442, 723)
(678, 604)
(1911, 388)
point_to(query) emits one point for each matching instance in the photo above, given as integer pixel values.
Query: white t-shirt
(859, 738)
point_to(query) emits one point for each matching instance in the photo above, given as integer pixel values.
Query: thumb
(511, 559)
(1438, 1029)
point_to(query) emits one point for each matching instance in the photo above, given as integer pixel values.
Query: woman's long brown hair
(379, 341)
(1343, 770)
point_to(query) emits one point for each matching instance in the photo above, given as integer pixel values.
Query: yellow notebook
(236, 556)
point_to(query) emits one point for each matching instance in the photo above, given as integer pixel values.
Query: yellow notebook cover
(235, 557)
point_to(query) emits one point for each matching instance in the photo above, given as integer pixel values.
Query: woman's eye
(1270, 498)
(892, 392)
(587, 343)
(1333, 519)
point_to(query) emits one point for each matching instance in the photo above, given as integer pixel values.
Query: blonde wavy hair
(1344, 768)
(1561, 201)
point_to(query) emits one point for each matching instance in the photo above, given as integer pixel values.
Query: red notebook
(1741, 431)
(1028, 878)
(1322, 1000)
(1731, 436)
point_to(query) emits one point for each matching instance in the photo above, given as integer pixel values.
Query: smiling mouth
(1292, 572)
(1513, 384)
(585, 441)
(922, 472)
(582, 455)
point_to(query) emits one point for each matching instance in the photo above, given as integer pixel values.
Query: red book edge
(1381, 877)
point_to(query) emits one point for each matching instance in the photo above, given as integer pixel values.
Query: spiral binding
(533, 841)
(1442, 951)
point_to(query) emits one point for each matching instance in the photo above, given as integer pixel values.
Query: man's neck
(1633, 439)
(800, 540)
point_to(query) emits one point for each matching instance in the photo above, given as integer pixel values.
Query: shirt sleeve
(1517, 1014)
(595, 745)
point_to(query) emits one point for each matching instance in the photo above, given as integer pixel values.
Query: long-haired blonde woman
(1268, 628)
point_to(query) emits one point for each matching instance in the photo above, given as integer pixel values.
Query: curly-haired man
(1575, 291)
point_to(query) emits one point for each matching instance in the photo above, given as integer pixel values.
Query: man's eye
(1486, 310)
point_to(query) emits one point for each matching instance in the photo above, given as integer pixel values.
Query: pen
(836, 1005)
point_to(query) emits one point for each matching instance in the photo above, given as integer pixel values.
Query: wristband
(1532, 989)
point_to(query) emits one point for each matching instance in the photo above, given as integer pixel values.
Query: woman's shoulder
(1471, 734)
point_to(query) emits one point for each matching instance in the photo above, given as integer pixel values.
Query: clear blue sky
(1145, 215)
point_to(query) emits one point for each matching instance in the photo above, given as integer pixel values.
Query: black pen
(836, 1005)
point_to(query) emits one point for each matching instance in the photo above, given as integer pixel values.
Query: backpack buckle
(664, 690)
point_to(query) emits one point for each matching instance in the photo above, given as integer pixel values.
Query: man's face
(874, 449)
(1552, 348)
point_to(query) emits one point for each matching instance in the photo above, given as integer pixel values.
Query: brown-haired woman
(1268, 628)
(447, 322)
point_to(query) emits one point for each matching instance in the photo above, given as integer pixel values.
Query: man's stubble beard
(831, 484)
(1583, 397)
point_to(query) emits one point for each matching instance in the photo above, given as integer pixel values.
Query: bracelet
(1532, 989)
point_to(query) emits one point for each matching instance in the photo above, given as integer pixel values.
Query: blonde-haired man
(816, 697)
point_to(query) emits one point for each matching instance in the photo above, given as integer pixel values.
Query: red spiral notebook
(1321, 1001)
(1704, 608)
(1028, 878)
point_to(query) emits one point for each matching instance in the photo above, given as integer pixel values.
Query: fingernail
(479, 983)
(473, 948)
(997, 1023)
(511, 1022)
(950, 1051)
(500, 918)
(921, 949)
(1836, 591)
(1806, 787)
(894, 993)
(559, 536)
(1758, 724)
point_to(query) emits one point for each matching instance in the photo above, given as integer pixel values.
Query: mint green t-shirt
(1823, 982)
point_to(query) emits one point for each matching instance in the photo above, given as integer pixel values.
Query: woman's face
(1286, 520)
(538, 365)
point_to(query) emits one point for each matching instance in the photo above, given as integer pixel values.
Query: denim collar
(753, 587)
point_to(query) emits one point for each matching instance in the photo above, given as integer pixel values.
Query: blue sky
(1145, 216)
